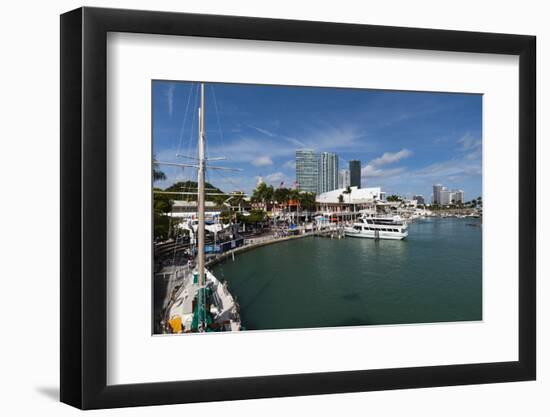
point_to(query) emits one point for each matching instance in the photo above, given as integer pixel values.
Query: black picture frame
(84, 207)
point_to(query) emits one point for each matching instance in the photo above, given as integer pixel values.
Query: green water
(432, 276)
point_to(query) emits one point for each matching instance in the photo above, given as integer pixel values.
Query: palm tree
(237, 198)
(263, 194)
(281, 196)
(268, 196)
(348, 192)
(307, 200)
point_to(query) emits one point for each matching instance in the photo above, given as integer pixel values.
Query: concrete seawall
(246, 248)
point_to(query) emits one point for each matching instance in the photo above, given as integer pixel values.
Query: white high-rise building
(458, 196)
(344, 178)
(328, 172)
(444, 196)
(436, 198)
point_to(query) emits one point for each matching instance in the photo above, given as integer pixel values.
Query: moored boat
(378, 227)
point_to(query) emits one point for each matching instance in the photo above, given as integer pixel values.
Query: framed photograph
(256, 208)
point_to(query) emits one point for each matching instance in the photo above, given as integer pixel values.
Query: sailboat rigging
(226, 304)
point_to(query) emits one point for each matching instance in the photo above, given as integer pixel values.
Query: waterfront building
(436, 198)
(357, 198)
(355, 173)
(307, 170)
(327, 172)
(188, 209)
(443, 196)
(344, 179)
(458, 196)
(419, 199)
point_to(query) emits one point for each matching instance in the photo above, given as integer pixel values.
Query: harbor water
(435, 275)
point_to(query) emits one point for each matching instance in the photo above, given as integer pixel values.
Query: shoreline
(246, 248)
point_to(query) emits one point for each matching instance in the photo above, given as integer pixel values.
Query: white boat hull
(368, 234)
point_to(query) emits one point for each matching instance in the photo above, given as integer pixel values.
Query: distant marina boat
(378, 227)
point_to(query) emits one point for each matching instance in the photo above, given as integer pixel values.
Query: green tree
(347, 191)
(255, 216)
(263, 194)
(393, 197)
(237, 199)
(307, 200)
(295, 195)
(281, 196)
(211, 193)
(162, 206)
(158, 175)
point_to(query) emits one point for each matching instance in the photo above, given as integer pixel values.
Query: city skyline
(406, 141)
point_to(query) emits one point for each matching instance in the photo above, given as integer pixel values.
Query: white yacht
(378, 227)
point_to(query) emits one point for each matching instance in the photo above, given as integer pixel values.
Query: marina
(326, 251)
(435, 275)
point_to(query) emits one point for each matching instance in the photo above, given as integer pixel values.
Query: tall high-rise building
(344, 179)
(419, 199)
(355, 173)
(328, 172)
(437, 193)
(458, 196)
(444, 196)
(307, 170)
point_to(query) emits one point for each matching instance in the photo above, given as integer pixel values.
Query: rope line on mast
(184, 118)
(218, 116)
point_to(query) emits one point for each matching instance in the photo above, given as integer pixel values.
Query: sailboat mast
(200, 191)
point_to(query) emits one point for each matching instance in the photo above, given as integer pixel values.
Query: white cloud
(262, 161)
(264, 131)
(468, 142)
(369, 171)
(170, 98)
(391, 157)
(473, 155)
(290, 164)
(275, 178)
(452, 168)
(328, 138)
(373, 168)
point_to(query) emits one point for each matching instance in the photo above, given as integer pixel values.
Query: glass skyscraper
(307, 170)
(355, 173)
(328, 172)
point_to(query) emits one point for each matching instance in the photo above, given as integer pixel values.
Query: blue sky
(406, 141)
